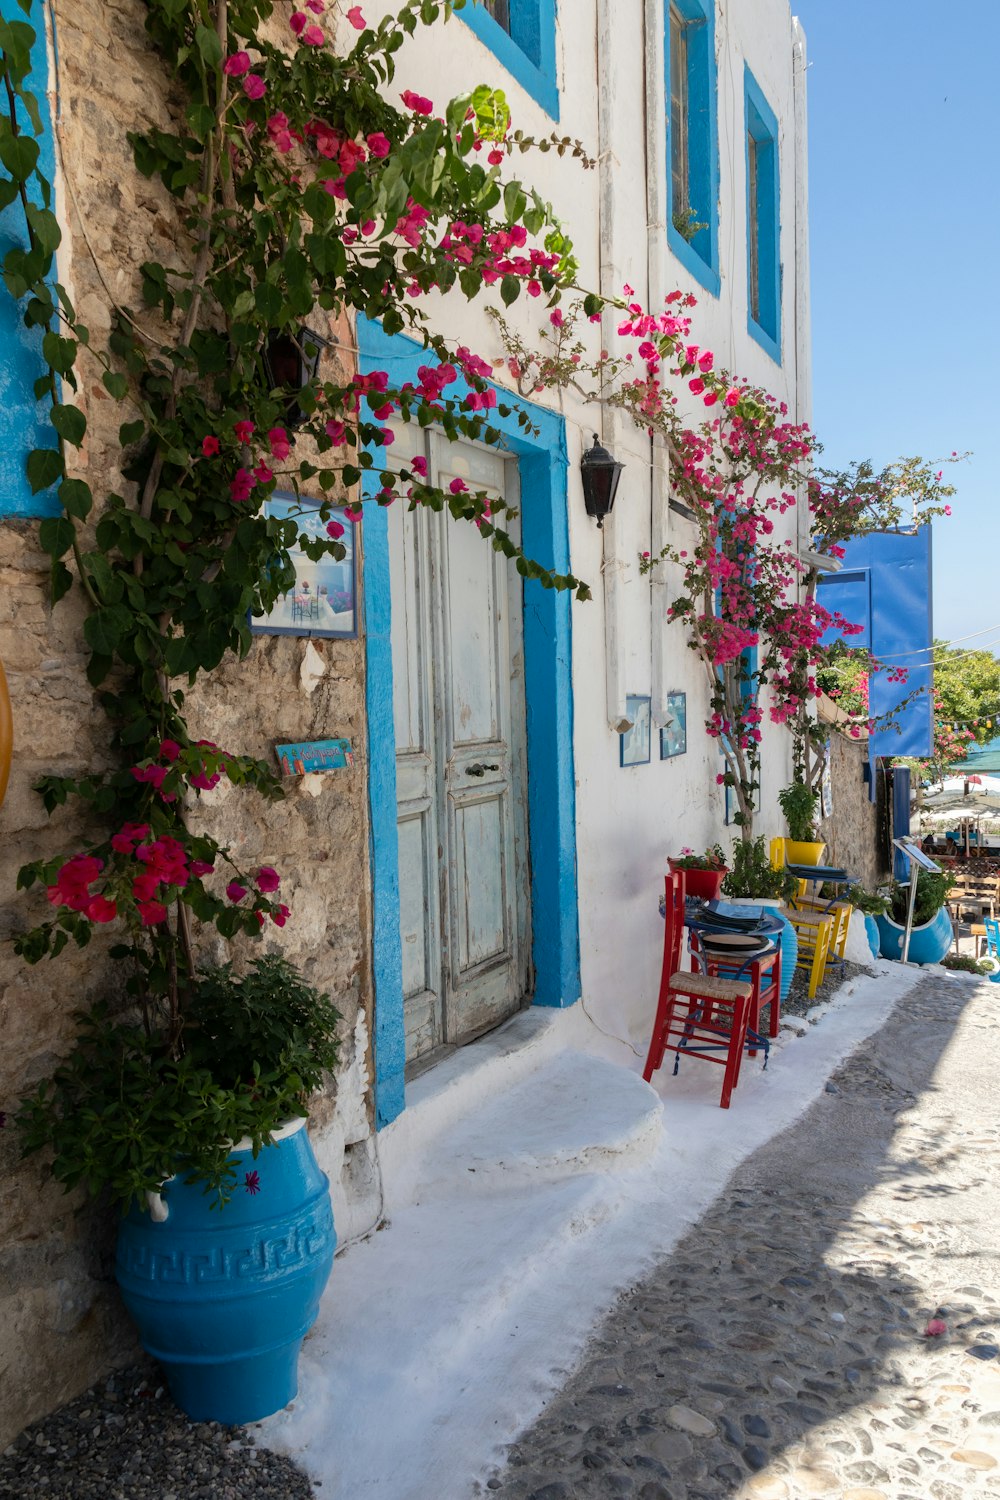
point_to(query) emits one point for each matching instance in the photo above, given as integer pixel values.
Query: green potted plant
(703, 873)
(752, 880)
(932, 931)
(871, 904)
(799, 803)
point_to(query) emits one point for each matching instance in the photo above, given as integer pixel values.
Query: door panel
(458, 699)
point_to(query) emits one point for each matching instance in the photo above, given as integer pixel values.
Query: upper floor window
(692, 137)
(763, 220)
(522, 36)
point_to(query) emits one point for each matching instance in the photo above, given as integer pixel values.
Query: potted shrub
(189, 1119)
(703, 873)
(799, 802)
(932, 931)
(752, 880)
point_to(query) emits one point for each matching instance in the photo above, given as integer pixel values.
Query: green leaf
(70, 423)
(208, 44)
(116, 385)
(56, 535)
(510, 288)
(76, 498)
(58, 352)
(105, 627)
(130, 432)
(45, 227)
(19, 153)
(44, 467)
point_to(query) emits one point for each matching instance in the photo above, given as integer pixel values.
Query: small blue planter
(224, 1297)
(872, 933)
(928, 943)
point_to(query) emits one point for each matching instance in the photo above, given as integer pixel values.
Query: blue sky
(905, 247)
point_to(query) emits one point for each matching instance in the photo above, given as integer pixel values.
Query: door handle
(479, 768)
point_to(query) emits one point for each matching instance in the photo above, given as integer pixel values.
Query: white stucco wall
(609, 57)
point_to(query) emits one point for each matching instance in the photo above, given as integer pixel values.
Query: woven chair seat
(709, 987)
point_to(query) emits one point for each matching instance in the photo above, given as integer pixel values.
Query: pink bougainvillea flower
(241, 486)
(298, 22)
(267, 880)
(337, 433)
(236, 65)
(151, 912)
(100, 909)
(313, 36)
(356, 19)
(244, 431)
(732, 397)
(278, 132)
(495, 158)
(154, 775)
(262, 473)
(280, 916)
(209, 446)
(935, 1328)
(458, 486)
(334, 529)
(353, 513)
(200, 867)
(557, 320)
(254, 87)
(416, 102)
(251, 1182)
(419, 466)
(280, 443)
(316, 6)
(379, 144)
(235, 891)
(169, 750)
(534, 288)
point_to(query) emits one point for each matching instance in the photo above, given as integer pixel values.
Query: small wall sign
(314, 755)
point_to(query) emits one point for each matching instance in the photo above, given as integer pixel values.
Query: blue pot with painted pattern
(224, 1297)
(872, 934)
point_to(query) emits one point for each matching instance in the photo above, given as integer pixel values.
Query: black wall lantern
(601, 474)
(291, 361)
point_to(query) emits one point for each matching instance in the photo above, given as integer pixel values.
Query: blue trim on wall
(543, 461)
(24, 422)
(700, 256)
(528, 51)
(762, 125)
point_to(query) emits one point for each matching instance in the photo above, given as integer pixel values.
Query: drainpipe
(656, 232)
(802, 345)
(613, 567)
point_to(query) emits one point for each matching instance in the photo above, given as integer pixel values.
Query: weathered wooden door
(458, 701)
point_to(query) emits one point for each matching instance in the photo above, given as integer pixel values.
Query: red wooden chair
(764, 972)
(697, 1015)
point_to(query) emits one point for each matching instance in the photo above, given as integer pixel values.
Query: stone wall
(60, 1322)
(851, 832)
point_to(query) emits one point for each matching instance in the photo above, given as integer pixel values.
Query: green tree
(967, 683)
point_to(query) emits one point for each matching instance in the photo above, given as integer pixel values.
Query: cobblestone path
(779, 1352)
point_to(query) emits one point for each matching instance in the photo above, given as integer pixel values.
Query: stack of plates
(738, 946)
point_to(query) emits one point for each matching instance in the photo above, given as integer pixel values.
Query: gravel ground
(124, 1439)
(782, 1350)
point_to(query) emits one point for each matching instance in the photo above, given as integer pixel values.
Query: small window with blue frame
(763, 220)
(521, 34)
(692, 139)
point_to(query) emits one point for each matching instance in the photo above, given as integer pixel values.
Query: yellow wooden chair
(815, 932)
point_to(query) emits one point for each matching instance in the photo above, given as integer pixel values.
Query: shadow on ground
(779, 1350)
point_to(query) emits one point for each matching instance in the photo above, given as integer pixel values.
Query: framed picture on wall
(635, 742)
(324, 598)
(674, 734)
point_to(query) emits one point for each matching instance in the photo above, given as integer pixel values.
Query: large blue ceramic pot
(787, 938)
(928, 943)
(224, 1297)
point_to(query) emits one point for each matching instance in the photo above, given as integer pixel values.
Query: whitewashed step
(573, 1114)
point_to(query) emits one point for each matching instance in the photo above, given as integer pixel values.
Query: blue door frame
(542, 461)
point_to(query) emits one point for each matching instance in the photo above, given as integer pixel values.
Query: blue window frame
(521, 34)
(692, 139)
(24, 421)
(763, 220)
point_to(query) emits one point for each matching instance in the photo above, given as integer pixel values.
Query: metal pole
(905, 956)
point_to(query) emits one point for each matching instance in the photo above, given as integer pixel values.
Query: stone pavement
(779, 1352)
